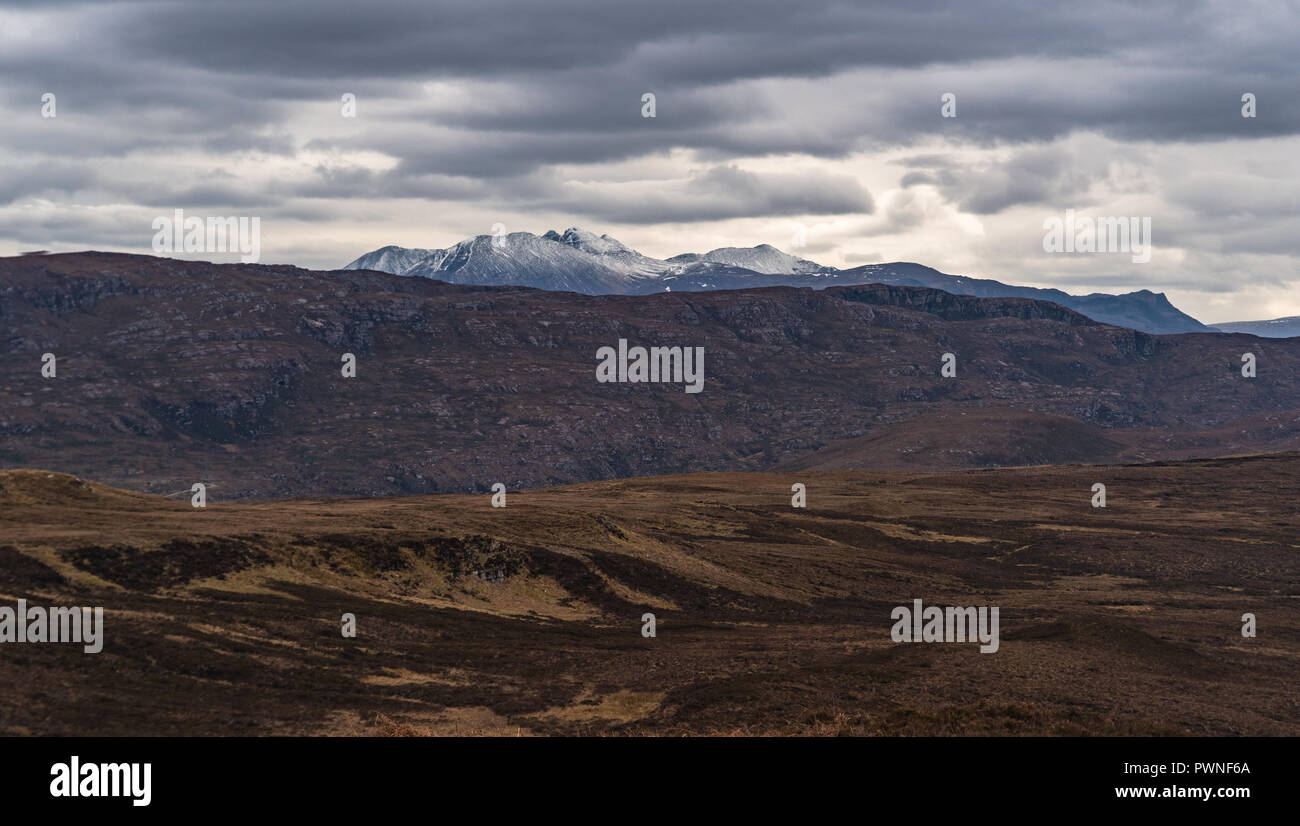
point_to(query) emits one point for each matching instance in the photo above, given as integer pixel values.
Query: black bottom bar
(643, 778)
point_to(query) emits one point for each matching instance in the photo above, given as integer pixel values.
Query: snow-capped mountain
(396, 260)
(612, 251)
(580, 261)
(575, 260)
(764, 258)
(524, 259)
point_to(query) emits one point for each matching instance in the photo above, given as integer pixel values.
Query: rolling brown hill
(169, 372)
(1123, 620)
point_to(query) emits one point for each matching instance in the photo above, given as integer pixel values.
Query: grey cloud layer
(560, 82)
(487, 104)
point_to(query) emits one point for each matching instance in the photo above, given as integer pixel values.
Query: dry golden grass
(772, 621)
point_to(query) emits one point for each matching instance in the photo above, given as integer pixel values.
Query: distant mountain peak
(764, 258)
(588, 241)
(579, 260)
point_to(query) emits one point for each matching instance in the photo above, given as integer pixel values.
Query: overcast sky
(771, 117)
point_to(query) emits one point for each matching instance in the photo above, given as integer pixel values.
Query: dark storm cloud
(571, 68)
(679, 40)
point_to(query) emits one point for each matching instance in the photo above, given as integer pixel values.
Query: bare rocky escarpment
(169, 372)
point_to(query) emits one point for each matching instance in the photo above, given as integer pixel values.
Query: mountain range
(583, 262)
(171, 372)
(1274, 328)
